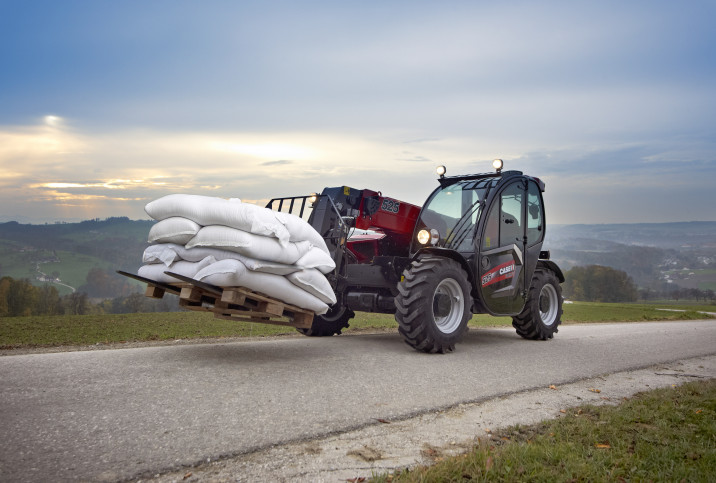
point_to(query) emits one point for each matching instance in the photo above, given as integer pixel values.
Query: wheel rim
(448, 306)
(548, 304)
(334, 313)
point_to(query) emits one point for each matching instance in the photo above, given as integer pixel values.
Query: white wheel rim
(548, 304)
(448, 306)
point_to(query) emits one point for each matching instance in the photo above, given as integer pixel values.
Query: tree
(5, 283)
(76, 303)
(21, 298)
(103, 284)
(48, 301)
(134, 303)
(596, 283)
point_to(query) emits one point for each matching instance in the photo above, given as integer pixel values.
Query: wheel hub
(448, 306)
(548, 304)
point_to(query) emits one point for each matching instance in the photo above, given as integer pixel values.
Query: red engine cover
(392, 215)
(365, 247)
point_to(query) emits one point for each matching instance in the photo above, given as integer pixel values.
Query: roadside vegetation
(662, 435)
(67, 330)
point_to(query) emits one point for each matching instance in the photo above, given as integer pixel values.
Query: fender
(550, 265)
(447, 253)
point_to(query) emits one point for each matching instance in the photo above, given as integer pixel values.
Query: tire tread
(528, 323)
(410, 309)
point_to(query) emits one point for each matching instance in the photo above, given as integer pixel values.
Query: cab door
(501, 257)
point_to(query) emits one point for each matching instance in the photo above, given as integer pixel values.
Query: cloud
(604, 101)
(117, 172)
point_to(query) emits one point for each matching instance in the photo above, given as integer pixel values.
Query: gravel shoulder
(393, 445)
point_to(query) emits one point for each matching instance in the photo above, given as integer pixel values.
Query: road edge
(395, 445)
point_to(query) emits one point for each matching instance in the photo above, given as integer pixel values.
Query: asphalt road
(129, 413)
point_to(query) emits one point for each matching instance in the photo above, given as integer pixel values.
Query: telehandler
(474, 247)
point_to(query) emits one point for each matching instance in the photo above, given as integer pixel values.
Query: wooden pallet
(229, 303)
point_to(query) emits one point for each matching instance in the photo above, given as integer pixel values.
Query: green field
(70, 267)
(660, 435)
(16, 332)
(73, 267)
(16, 262)
(69, 251)
(700, 278)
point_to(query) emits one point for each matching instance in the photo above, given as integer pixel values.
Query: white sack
(233, 273)
(161, 253)
(156, 271)
(248, 244)
(207, 210)
(173, 230)
(170, 252)
(165, 253)
(317, 258)
(313, 282)
(299, 230)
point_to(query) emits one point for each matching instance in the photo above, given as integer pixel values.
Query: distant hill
(651, 253)
(663, 235)
(64, 253)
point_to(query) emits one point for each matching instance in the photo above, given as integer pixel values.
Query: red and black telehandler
(475, 246)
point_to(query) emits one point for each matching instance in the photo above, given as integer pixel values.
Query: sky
(105, 106)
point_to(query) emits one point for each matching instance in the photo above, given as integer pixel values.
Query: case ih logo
(499, 273)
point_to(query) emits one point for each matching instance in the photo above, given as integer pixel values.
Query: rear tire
(330, 323)
(433, 304)
(543, 311)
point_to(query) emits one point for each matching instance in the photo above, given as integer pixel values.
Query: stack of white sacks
(233, 244)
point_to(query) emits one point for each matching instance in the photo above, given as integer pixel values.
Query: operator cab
(451, 214)
(493, 224)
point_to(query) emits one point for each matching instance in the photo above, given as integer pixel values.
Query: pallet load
(238, 260)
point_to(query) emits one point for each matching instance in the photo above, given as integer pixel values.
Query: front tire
(542, 314)
(433, 304)
(330, 323)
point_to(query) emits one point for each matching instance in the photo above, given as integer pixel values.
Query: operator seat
(510, 231)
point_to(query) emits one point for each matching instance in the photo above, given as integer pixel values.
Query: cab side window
(535, 214)
(492, 228)
(504, 221)
(511, 223)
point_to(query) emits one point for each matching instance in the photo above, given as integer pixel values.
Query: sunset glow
(606, 103)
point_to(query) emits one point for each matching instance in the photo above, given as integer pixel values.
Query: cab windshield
(454, 211)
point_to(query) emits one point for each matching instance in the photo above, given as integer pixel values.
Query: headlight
(497, 164)
(434, 236)
(423, 237)
(313, 198)
(441, 170)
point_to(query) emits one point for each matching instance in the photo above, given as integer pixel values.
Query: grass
(661, 435)
(47, 331)
(600, 312)
(690, 304)
(593, 312)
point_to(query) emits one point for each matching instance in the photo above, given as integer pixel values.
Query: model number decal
(499, 273)
(391, 206)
